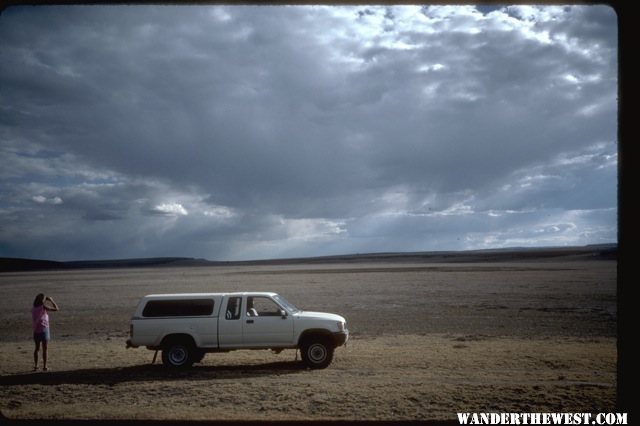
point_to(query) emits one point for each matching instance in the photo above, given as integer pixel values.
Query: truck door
(264, 324)
(230, 322)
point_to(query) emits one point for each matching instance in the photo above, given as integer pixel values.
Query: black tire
(178, 353)
(317, 352)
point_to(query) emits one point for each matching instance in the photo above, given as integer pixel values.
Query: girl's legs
(44, 355)
(35, 356)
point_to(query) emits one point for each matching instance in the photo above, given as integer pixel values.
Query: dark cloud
(244, 131)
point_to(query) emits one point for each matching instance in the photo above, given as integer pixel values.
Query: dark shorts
(42, 337)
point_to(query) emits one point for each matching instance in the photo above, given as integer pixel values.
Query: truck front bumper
(341, 337)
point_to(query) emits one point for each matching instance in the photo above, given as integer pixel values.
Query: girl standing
(41, 334)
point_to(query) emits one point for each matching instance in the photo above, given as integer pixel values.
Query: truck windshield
(288, 306)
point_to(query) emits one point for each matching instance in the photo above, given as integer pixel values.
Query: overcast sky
(252, 132)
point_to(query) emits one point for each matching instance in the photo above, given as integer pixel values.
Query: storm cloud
(244, 132)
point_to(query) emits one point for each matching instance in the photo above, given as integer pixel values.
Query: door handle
(249, 321)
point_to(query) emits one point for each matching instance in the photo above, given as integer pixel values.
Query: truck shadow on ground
(151, 372)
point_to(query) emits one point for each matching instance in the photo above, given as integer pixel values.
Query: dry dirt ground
(427, 341)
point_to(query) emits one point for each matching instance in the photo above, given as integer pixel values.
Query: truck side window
(178, 308)
(264, 306)
(234, 306)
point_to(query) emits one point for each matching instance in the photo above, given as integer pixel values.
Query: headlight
(341, 326)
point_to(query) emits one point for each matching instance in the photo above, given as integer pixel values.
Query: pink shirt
(40, 319)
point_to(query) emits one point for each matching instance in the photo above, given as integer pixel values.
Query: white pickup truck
(187, 326)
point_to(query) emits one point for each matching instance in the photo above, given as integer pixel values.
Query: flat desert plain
(427, 341)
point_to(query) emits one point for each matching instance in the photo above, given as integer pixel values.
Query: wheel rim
(317, 353)
(177, 355)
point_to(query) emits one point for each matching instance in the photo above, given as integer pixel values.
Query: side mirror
(283, 313)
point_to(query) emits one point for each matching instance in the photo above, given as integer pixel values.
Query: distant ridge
(8, 264)
(590, 252)
(127, 263)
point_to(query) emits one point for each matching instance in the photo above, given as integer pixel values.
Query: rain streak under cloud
(246, 132)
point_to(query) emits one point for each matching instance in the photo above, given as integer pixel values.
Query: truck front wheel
(317, 352)
(178, 354)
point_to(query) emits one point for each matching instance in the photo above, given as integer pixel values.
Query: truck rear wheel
(178, 353)
(317, 352)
